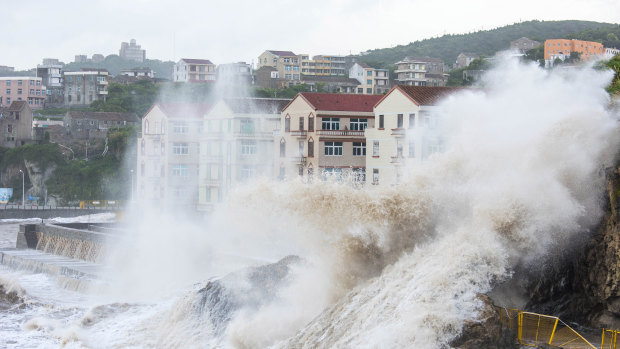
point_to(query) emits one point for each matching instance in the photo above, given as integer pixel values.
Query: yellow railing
(608, 341)
(536, 329)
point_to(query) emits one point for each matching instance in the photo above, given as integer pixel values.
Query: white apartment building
(372, 80)
(194, 70)
(421, 71)
(237, 145)
(404, 133)
(169, 153)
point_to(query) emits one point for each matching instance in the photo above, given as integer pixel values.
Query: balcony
(102, 82)
(399, 132)
(399, 160)
(409, 71)
(253, 134)
(301, 160)
(340, 133)
(102, 92)
(299, 134)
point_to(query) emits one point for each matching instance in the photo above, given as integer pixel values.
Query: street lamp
(23, 202)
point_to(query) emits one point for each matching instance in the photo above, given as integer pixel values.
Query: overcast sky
(240, 30)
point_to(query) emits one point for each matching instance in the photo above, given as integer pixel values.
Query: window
(295, 68)
(8, 82)
(331, 172)
(375, 148)
(399, 121)
(301, 148)
(282, 148)
(399, 150)
(359, 149)
(369, 72)
(288, 67)
(142, 147)
(360, 90)
(333, 148)
(247, 126)
(287, 124)
(19, 91)
(369, 82)
(310, 148)
(301, 171)
(180, 127)
(311, 123)
(179, 170)
(411, 120)
(359, 174)
(8, 100)
(180, 149)
(381, 121)
(19, 82)
(301, 123)
(9, 128)
(369, 90)
(295, 76)
(248, 147)
(330, 124)
(163, 148)
(375, 176)
(358, 124)
(287, 76)
(8, 91)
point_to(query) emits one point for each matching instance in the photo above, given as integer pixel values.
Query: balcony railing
(297, 159)
(399, 132)
(299, 133)
(346, 133)
(253, 134)
(399, 159)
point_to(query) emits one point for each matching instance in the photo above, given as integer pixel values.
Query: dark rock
(486, 332)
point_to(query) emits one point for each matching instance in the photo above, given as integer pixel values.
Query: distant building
(81, 59)
(610, 52)
(323, 65)
(330, 84)
(239, 73)
(404, 132)
(562, 48)
(287, 64)
(95, 125)
(523, 44)
(85, 86)
(132, 51)
(51, 74)
(6, 69)
(194, 70)
(138, 72)
(98, 58)
(15, 124)
(464, 59)
(267, 77)
(371, 80)
(421, 71)
(22, 88)
(322, 134)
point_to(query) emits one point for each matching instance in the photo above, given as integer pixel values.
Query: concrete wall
(13, 213)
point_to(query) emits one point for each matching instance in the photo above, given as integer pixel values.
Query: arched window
(287, 123)
(311, 122)
(282, 148)
(146, 126)
(311, 148)
(142, 147)
(163, 127)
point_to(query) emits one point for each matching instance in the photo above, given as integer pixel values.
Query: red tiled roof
(185, 110)
(196, 61)
(282, 53)
(341, 102)
(427, 95)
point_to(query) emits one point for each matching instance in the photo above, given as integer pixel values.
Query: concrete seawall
(13, 213)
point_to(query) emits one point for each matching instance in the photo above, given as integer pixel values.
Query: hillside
(484, 43)
(114, 64)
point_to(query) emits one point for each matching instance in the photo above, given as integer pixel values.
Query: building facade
(464, 59)
(194, 70)
(405, 131)
(421, 71)
(322, 135)
(15, 124)
(524, 44)
(95, 125)
(169, 155)
(22, 88)
(131, 51)
(562, 48)
(51, 74)
(144, 72)
(323, 65)
(239, 73)
(85, 86)
(371, 80)
(237, 145)
(286, 63)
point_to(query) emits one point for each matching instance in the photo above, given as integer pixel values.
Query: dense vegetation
(614, 64)
(484, 42)
(609, 36)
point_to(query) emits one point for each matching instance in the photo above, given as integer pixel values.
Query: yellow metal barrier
(608, 340)
(536, 329)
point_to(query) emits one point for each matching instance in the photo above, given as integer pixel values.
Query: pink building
(22, 88)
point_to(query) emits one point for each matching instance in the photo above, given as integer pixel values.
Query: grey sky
(240, 30)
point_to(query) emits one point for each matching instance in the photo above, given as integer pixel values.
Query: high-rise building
(131, 51)
(22, 88)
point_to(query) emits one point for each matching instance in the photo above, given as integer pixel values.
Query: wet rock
(486, 332)
(247, 289)
(9, 299)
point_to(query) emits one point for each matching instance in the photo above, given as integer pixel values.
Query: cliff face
(38, 177)
(585, 285)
